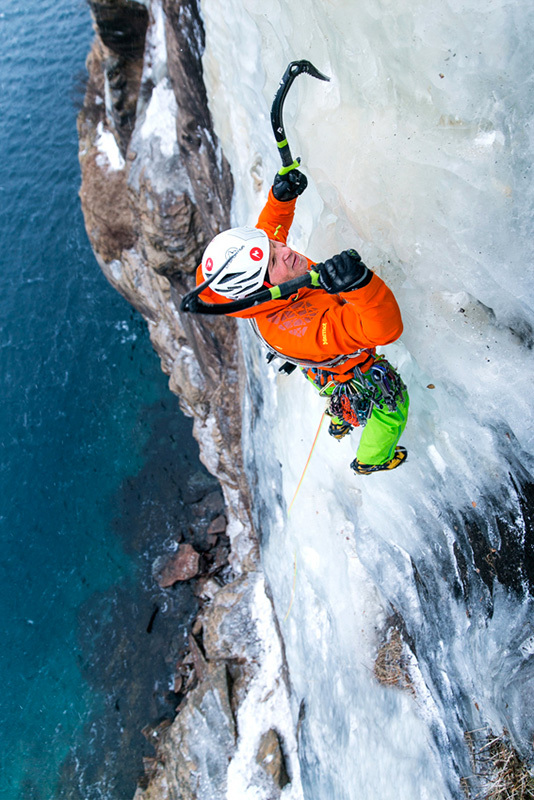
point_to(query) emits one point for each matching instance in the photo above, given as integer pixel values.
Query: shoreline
(131, 636)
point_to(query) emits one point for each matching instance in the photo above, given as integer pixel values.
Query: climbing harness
(301, 362)
(353, 400)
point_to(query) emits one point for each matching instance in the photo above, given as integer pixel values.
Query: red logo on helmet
(208, 266)
(256, 254)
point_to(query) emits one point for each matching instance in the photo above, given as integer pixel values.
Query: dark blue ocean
(93, 448)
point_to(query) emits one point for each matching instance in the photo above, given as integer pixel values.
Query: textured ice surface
(418, 153)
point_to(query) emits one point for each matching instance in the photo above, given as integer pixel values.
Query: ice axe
(192, 302)
(294, 69)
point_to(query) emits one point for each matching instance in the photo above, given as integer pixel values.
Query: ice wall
(419, 154)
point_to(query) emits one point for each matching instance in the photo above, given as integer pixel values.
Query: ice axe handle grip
(285, 290)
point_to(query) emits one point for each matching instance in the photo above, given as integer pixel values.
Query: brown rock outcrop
(271, 758)
(218, 525)
(181, 567)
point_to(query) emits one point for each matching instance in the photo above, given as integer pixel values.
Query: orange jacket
(313, 326)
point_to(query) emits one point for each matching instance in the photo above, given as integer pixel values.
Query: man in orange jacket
(330, 332)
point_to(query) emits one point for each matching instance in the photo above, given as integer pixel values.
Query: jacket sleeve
(277, 217)
(369, 317)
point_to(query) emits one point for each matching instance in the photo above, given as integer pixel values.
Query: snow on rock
(160, 118)
(109, 154)
(160, 110)
(154, 139)
(246, 629)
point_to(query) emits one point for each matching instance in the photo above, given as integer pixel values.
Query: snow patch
(160, 118)
(437, 460)
(155, 65)
(109, 154)
(115, 267)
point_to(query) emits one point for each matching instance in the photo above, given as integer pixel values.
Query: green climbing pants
(382, 432)
(383, 428)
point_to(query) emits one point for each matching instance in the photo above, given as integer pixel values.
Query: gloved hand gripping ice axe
(294, 69)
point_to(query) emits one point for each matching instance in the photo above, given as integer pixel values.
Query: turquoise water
(84, 404)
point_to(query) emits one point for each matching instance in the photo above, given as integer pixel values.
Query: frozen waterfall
(418, 153)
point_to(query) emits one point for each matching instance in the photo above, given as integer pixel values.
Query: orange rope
(289, 511)
(306, 465)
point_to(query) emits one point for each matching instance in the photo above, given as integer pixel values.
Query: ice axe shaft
(192, 302)
(294, 69)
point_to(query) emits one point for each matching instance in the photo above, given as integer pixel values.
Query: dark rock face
(185, 45)
(155, 189)
(150, 219)
(122, 26)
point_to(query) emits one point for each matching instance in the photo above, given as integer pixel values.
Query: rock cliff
(155, 189)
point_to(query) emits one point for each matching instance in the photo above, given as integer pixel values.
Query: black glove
(287, 187)
(343, 273)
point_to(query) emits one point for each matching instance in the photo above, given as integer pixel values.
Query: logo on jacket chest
(296, 318)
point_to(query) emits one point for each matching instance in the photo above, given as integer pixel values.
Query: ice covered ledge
(155, 189)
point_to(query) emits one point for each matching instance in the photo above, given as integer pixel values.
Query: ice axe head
(294, 69)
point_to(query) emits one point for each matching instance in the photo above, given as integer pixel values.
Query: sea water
(89, 437)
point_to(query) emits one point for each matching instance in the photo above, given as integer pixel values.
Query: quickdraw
(389, 383)
(353, 400)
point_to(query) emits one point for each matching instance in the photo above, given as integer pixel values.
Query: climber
(330, 332)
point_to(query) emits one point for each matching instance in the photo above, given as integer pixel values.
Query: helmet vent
(256, 275)
(235, 271)
(232, 276)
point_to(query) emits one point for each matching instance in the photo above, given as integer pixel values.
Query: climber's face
(284, 263)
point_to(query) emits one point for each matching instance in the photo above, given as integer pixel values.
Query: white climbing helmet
(245, 271)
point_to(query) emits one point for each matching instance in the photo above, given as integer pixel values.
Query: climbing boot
(368, 469)
(339, 429)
